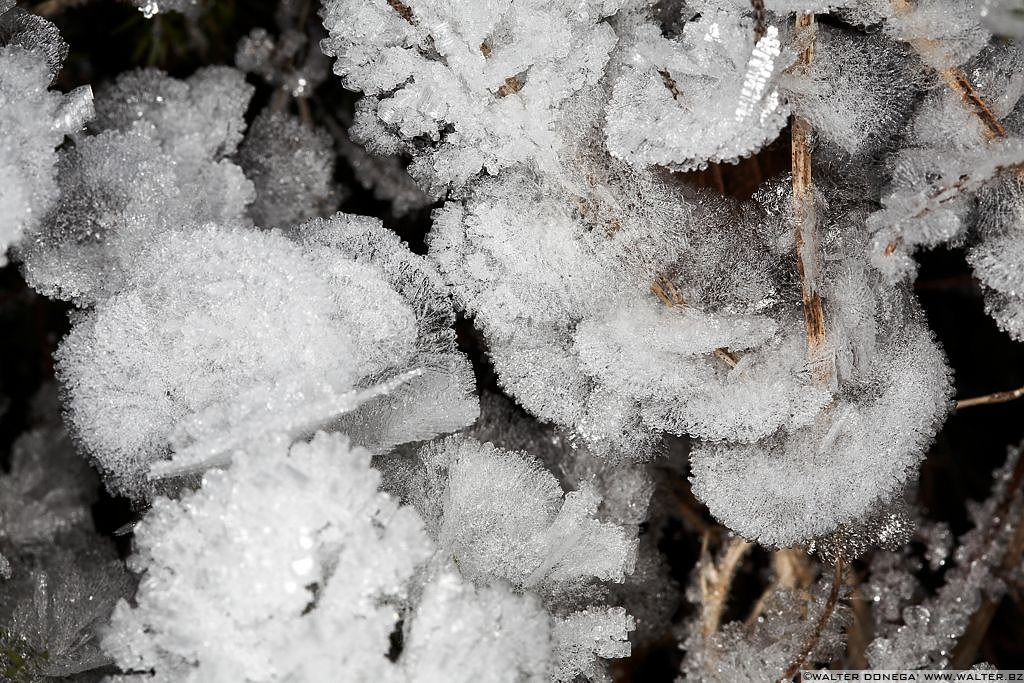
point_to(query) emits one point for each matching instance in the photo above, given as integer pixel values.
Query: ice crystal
(653, 117)
(214, 313)
(288, 565)
(158, 163)
(480, 82)
(33, 121)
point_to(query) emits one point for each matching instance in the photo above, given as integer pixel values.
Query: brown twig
(957, 81)
(667, 292)
(792, 572)
(715, 581)
(403, 10)
(988, 399)
(758, 7)
(819, 627)
(808, 257)
(512, 85)
(955, 78)
(861, 630)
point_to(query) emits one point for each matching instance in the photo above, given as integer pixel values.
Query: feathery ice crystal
(293, 310)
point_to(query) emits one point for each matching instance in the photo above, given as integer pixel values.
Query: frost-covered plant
(157, 163)
(479, 88)
(246, 337)
(33, 120)
(274, 385)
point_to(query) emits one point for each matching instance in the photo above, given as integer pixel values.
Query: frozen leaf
(501, 515)
(771, 491)
(213, 314)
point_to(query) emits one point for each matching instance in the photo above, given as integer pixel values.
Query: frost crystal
(55, 609)
(288, 566)
(499, 516)
(710, 95)
(481, 82)
(214, 313)
(158, 163)
(33, 121)
(504, 516)
(291, 165)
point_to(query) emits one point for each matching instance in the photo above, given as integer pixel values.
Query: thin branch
(715, 582)
(792, 572)
(967, 648)
(955, 78)
(861, 629)
(819, 627)
(957, 81)
(758, 7)
(988, 399)
(403, 10)
(808, 257)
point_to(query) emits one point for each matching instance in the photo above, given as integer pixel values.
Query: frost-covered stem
(956, 79)
(819, 626)
(663, 288)
(987, 399)
(808, 258)
(715, 582)
(967, 647)
(792, 572)
(758, 7)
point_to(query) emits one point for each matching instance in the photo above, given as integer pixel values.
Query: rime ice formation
(447, 444)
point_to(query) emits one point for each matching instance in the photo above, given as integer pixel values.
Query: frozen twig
(967, 647)
(758, 7)
(808, 258)
(715, 582)
(819, 626)
(957, 81)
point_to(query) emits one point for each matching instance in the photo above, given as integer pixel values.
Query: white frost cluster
(500, 517)
(467, 88)
(158, 162)
(312, 571)
(33, 120)
(290, 567)
(710, 95)
(240, 337)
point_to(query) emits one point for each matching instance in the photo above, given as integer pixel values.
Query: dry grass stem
(715, 582)
(808, 256)
(819, 626)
